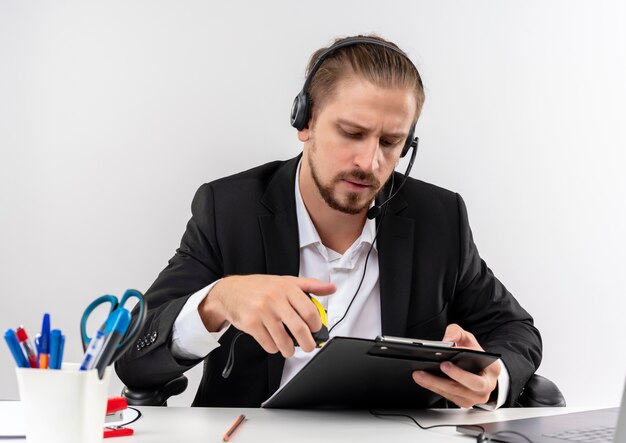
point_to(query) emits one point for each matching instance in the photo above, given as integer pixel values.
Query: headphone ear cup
(300, 111)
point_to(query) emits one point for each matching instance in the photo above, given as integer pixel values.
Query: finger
(300, 330)
(480, 383)
(263, 338)
(307, 311)
(461, 337)
(453, 333)
(439, 385)
(313, 285)
(279, 335)
(447, 388)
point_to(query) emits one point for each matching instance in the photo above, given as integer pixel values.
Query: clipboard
(357, 373)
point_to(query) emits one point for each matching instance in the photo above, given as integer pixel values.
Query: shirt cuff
(504, 382)
(190, 338)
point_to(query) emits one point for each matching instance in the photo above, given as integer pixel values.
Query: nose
(368, 156)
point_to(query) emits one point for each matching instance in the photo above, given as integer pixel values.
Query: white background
(113, 113)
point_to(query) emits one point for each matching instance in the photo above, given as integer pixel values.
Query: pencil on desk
(229, 434)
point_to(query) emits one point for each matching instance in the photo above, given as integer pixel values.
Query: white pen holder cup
(63, 405)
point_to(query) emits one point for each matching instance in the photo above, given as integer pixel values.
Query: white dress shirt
(191, 340)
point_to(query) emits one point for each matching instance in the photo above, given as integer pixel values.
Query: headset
(301, 108)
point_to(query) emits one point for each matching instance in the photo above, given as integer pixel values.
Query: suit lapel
(395, 258)
(280, 242)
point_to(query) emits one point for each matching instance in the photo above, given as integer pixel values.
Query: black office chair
(538, 392)
(156, 396)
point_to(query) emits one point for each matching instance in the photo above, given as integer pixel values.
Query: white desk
(204, 425)
(190, 425)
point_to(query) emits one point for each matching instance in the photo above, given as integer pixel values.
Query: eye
(388, 143)
(350, 134)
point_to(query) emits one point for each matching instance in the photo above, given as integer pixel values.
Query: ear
(304, 135)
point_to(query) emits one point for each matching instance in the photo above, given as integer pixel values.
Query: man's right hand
(263, 306)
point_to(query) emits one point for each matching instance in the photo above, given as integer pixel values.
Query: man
(259, 240)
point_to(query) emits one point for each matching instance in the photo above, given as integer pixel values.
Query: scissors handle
(132, 331)
(111, 299)
(137, 324)
(116, 335)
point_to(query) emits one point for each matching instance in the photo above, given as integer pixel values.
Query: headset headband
(350, 41)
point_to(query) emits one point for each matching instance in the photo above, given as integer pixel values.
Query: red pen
(31, 355)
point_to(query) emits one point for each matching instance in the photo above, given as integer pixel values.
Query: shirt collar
(306, 229)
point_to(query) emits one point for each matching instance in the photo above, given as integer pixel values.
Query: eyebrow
(359, 127)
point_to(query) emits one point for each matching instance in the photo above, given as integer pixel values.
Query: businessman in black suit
(258, 240)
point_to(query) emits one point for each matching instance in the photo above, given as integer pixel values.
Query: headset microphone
(375, 211)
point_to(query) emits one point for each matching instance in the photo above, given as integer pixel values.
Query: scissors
(116, 335)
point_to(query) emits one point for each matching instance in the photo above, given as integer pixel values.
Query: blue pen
(16, 350)
(55, 348)
(61, 349)
(116, 326)
(93, 350)
(44, 342)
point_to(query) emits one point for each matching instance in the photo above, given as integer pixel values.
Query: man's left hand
(463, 388)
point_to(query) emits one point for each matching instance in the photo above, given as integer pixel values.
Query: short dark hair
(379, 65)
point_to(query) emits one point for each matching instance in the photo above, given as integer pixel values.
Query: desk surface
(190, 425)
(271, 425)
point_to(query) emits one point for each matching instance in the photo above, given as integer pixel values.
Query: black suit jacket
(430, 276)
